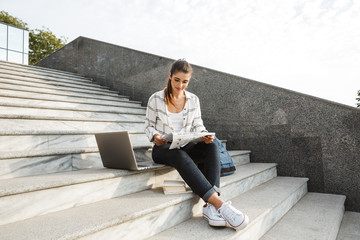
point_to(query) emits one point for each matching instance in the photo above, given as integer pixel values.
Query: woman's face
(179, 81)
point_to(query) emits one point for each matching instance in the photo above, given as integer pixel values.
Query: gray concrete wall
(306, 136)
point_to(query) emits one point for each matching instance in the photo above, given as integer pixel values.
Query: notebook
(117, 152)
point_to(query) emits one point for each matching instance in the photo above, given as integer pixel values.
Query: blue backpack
(226, 163)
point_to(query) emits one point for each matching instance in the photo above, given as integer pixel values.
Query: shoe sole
(215, 223)
(243, 224)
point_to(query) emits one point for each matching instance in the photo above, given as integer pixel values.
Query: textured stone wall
(306, 136)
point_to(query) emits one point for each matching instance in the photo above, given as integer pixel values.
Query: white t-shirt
(176, 120)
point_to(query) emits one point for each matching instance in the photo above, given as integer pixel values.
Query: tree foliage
(42, 42)
(7, 18)
(358, 99)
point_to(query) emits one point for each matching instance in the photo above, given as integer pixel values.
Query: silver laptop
(116, 152)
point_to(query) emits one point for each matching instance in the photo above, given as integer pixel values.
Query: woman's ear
(169, 75)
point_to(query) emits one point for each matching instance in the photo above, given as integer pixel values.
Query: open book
(181, 139)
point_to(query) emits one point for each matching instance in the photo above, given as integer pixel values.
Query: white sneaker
(236, 219)
(213, 216)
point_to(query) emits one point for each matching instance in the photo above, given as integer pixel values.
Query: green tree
(358, 99)
(42, 42)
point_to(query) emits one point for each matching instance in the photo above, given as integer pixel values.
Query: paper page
(181, 139)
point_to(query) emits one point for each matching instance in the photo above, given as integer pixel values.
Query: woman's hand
(208, 139)
(158, 140)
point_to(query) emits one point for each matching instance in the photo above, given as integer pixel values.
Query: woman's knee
(160, 153)
(213, 146)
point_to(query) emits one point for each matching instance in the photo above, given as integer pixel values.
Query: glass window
(26, 41)
(15, 39)
(15, 57)
(2, 54)
(3, 35)
(13, 42)
(26, 59)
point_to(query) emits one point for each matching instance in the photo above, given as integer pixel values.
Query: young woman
(176, 110)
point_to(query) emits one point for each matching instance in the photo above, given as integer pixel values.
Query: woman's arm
(198, 124)
(150, 124)
(150, 120)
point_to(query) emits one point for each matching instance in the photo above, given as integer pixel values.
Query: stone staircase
(53, 185)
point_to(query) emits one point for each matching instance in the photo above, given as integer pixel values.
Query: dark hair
(180, 65)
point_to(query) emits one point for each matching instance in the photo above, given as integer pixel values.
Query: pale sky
(311, 46)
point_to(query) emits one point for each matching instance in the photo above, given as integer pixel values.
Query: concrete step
(22, 85)
(33, 184)
(59, 92)
(76, 188)
(50, 84)
(46, 72)
(40, 162)
(57, 81)
(18, 123)
(350, 226)
(41, 71)
(240, 157)
(16, 143)
(66, 98)
(316, 216)
(13, 143)
(27, 112)
(135, 216)
(39, 195)
(29, 163)
(261, 204)
(13, 91)
(85, 110)
(128, 107)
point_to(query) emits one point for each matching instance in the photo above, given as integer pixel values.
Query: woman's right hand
(158, 140)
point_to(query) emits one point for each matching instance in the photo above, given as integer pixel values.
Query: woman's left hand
(208, 139)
